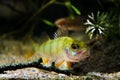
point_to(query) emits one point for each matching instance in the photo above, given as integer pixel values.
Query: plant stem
(30, 19)
(40, 10)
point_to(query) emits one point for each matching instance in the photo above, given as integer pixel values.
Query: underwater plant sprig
(97, 28)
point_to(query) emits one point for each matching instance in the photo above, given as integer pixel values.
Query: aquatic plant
(102, 25)
(34, 15)
(95, 27)
(70, 7)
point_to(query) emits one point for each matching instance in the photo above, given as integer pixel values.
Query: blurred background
(20, 18)
(28, 19)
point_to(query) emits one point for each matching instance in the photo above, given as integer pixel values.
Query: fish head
(77, 51)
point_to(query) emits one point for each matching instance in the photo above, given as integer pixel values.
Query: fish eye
(75, 46)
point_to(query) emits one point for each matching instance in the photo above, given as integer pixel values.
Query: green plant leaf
(48, 22)
(75, 9)
(67, 3)
(71, 14)
(90, 35)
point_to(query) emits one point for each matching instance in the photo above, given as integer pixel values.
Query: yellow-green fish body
(62, 51)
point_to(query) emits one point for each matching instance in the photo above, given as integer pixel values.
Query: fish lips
(75, 58)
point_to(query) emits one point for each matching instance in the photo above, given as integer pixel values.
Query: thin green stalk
(100, 4)
(59, 3)
(30, 19)
(40, 10)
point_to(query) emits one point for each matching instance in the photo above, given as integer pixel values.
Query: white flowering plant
(97, 25)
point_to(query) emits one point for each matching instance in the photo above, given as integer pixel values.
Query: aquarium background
(26, 24)
(20, 18)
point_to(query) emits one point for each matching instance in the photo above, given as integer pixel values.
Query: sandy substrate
(38, 74)
(33, 73)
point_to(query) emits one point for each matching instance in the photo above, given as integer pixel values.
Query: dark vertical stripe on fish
(50, 47)
(64, 42)
(44, 48)
(57, 45)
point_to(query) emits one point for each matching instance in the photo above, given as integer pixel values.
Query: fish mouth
(80, 52)
(77, 57)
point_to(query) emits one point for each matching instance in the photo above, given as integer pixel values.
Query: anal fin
(46, 62)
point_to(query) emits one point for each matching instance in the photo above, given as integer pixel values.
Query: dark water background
(15, 14)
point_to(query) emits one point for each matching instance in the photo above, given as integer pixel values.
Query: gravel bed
(39, 74)
(32, 73)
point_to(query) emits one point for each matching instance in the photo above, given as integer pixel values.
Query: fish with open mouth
(62, 51)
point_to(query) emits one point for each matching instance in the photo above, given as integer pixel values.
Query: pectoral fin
(63, 65)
